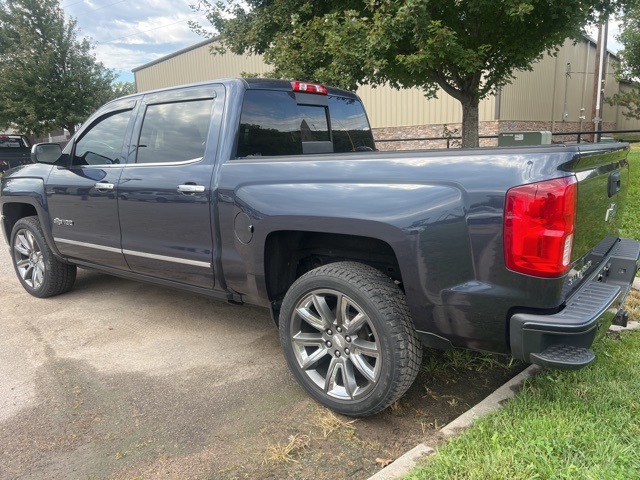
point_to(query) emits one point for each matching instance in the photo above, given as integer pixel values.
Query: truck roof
(250, 84)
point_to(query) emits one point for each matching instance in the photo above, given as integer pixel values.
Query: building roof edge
(175, 54)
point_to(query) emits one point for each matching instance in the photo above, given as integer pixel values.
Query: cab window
(279, 123)
(102, 143)
(174, 132)
(349, 126)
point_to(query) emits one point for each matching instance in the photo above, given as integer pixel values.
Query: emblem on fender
(62, 221)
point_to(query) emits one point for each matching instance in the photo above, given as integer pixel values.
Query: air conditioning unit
(514, 139)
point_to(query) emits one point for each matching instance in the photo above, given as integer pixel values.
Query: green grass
(625, 137)
(563, 425)
(631, 219)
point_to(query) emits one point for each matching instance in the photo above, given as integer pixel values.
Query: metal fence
(597, 137)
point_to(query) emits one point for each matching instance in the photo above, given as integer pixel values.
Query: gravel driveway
(123, 380)
(117, 372)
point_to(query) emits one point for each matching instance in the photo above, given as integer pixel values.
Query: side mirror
(46, 153)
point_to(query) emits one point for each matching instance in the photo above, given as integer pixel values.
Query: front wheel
(39, 271)
(348, 338)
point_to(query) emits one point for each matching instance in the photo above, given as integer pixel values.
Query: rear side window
(269, 125)
(275, 123)
(174, 132)
(349, 126)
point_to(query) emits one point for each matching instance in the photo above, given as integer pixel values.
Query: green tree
(49, 78)
(121, 89)
(629, 66)
(469, 48)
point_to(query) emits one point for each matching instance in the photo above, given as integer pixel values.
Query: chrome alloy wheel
(336, 344)
(29, 259)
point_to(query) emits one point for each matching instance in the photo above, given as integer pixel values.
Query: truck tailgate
(13, 157)
(602, 171)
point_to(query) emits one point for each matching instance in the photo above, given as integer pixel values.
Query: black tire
(39, 271)
(358, 362)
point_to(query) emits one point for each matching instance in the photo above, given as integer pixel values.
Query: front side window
(174, 132)
(102, 143)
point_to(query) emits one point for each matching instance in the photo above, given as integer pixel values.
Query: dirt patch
(90, 424)
(122, 380)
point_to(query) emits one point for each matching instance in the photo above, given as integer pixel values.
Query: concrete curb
(490, 404)
(630, 326)
(406, 463)
(636, 283)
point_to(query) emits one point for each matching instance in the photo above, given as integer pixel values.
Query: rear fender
(424, 224)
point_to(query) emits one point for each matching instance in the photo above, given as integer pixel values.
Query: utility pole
(567, 76)
(599, 80)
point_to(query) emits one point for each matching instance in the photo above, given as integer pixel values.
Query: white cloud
(125, 58)
(128, 34)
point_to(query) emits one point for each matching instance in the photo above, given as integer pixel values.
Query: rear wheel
(348, 338)
(39, 271)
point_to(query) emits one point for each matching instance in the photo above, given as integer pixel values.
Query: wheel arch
(26, 197)
(289, 254)
(14, 210)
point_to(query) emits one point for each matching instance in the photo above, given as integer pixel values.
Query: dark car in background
(15, 150)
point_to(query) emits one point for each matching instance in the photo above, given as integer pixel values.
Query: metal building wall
(195, 64)
(388, 107)
(540, 95)
(385, 106)
(624, 123)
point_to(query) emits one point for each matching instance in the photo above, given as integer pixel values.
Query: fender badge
(61, 221)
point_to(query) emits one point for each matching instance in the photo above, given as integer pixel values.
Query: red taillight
(539, 222)
(308, 88)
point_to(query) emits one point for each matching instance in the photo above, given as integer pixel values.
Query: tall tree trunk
(470, 122)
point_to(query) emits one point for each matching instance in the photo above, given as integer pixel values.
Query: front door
(81, 195)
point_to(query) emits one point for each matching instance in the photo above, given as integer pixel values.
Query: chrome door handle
(190, 188)
(104, 186)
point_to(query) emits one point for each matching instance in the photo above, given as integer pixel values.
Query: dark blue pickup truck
(271, 192)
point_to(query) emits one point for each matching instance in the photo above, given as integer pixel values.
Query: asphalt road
(118, 377)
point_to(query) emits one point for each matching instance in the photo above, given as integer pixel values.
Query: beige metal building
(536, 100)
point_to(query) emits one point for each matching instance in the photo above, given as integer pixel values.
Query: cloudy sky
(130, 33)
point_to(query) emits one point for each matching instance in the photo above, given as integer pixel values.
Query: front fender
(17, 191)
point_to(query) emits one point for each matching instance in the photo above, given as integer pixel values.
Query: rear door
(165, 192)
(81, 195)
